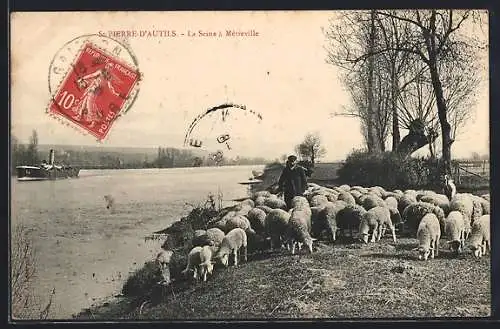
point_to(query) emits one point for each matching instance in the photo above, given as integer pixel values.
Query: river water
(85, 251)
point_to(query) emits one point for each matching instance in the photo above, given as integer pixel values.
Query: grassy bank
(380, 280)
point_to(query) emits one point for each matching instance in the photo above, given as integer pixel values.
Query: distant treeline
(22, 154)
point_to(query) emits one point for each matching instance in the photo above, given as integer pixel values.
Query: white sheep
(276, 225)
(347, 197)
(275, 203)
(215, 236)
(257, 218)
(436, 199)
(391, 202)
(454, 229)
(369, 201)
(375, 220)
(239, 221)
(266, 209)
(463, 203)
(235, 241)
(349, 217)
(326, 219)
(298, 231)
(200, 262)
(162, 260)
(261, 194)
(318, 200)
(479, 239)
(428, 235)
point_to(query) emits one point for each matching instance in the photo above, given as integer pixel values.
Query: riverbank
(341, 281)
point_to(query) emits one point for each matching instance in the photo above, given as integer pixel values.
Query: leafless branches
(24, 303)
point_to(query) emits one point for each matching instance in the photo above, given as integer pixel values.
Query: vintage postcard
(249, 165)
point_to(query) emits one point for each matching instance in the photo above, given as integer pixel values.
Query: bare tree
(311, 148)
(440, 45)
(24, 302)
(431, 37)
(364, 81)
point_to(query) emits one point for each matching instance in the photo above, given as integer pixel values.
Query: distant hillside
(149, 151)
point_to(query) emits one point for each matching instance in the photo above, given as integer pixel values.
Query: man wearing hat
(292, 181)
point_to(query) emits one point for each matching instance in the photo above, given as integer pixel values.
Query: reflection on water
(84, 250)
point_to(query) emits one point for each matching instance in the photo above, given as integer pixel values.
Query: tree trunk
(312, 155)
(412, 142)
(396, 137)
(443, 121)
(372, 145)
(430, 38)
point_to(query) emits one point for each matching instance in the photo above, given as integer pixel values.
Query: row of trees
(167, 157)
(408, 69)
(25, 154)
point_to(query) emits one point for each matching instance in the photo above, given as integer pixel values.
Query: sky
(281, 73)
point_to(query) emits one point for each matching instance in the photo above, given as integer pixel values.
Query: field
(345, 280)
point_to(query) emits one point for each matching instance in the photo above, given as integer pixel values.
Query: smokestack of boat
(51, 157)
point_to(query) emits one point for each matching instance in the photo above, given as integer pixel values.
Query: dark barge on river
(46, 171)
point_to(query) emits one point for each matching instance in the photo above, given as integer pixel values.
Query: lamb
(235, 241)
(276, 225)
(428, 235)
(375, 219)
(162, 260)
(257, 218)
(298, 230)
(454, 229)
(200, 262)
(479, 239)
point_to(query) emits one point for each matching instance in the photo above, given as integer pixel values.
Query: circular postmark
(227, 125)
(93, 80)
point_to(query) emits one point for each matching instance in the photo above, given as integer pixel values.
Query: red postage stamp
(94, 91)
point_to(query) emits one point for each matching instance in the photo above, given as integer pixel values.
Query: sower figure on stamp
(293, 180)
(93, 84)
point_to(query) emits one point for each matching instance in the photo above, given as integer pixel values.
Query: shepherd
(293, 180)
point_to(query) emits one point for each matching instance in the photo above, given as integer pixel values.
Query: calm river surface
(83, 250)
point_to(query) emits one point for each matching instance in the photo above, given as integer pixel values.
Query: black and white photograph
(249, 165)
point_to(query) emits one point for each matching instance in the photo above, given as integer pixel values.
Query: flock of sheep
(262, 222)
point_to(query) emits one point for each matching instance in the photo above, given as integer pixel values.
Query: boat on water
(46, 171)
